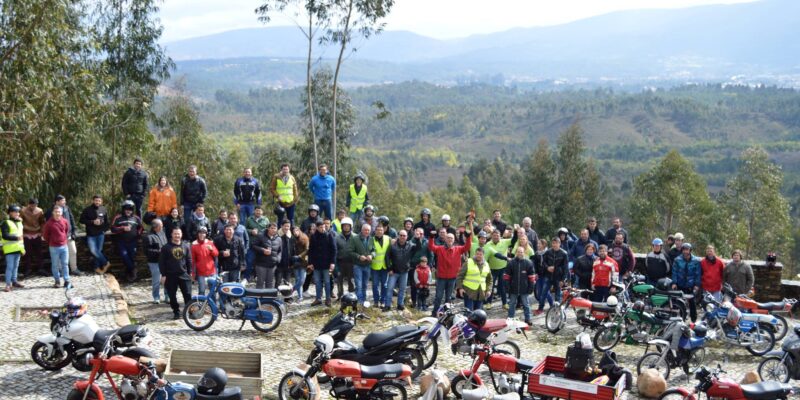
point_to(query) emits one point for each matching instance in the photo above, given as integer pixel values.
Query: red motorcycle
(349, 379)
(588, 313)
(775, 309)
(723, 388)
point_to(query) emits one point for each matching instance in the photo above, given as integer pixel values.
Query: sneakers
(17, 285)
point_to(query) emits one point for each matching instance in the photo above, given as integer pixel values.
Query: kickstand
(242, 325)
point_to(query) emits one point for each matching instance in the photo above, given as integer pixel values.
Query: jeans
(322, 276)
(188, 208)
(543, 288)
(401, 280)
(59, 263)
(73, 255)
(95, 244)
(289, 215)
(324, 208)
(472, 304)
(249, 259)
(600, 293)
(32, 261)
(500, 284)
(202, 283)
(12, 267)
(692, 304)
(299, 278)
(156, 274)
(361, 275)
(172, 284)
(526, 305)
(444, 289)
(127, 250)
(245, 211)
(265, 277)
(421, 299)
(379, 278)
(231, 276)
(137, 200)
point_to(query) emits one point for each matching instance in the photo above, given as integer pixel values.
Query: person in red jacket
(605, 271)
(55, 233)
(203, 254)
(712, 268)
(448, 263)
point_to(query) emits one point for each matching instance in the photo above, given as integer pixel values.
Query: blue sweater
(322, 186)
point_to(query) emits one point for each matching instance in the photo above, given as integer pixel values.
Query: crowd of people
(485, 264)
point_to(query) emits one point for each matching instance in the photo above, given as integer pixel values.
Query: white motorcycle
(74, 335)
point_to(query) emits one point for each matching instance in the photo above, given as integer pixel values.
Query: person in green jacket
(255, 225)
(363, 249)
(498, 266)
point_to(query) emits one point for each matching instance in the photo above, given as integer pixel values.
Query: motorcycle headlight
(710, 308)
(182, 396)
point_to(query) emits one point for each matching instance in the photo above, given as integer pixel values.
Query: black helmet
(212, 382)
(664, 284)
(425, 211)
(278, 210)
(383, 220)
(477, 318)
(313, 207)
(700, 330)
(349, 303)
(13, 208)
(638, 305)
(128, 205)
(369, 207)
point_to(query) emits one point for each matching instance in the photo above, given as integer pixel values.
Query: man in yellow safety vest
(357, 197)
(13, 245)
(474, 281)
(284, 189)
(380, 275)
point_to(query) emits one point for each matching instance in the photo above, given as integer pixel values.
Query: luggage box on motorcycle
(547, 379)
(244, 369)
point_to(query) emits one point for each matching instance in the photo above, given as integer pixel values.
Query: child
(422, 279)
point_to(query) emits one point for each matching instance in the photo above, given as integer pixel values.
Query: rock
(426, 380)
(651, 383)
(750, 377)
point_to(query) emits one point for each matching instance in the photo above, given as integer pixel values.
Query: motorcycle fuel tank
(342, 368)
(232, 289)
(81, 329)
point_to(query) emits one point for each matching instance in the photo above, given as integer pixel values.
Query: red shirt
(603, 271)
(55, 232)
(203, 258)
(712, 274)
(448, 259)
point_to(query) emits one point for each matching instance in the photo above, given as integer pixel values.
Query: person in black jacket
(231, 254)
(657, 263)
(195, 221)
(153, 243)
(134, 185)
(594, 231)
(398, 262)
(193, 191)
(95, 219)
(519, 276)
(425, 223)
(175, 265)
(173, 221)
(267, 248)
(285, 268)
(127, 228)
(554, 273)
(583, 266)
(322, 260)
(616, 228)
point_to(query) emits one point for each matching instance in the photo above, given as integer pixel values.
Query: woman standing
(299, 260)
(162, 199)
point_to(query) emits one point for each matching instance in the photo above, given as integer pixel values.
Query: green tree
(536, 193)
(577, 182)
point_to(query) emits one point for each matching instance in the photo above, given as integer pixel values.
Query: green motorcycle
(660, 298)
(633, 324)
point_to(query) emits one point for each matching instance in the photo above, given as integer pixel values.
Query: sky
(441, 19)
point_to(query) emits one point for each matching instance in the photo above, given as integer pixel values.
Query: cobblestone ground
(282, 350)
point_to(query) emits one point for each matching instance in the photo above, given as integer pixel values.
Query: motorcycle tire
(430, 351)
(54, 365)
(612, 335)
(198, 306)
(417, 363)
(76, 394)
(277, 316)
(681, 308)
(781, 328)
(80, 365)
(763, 330)
(653, 358)
(387, 390)
(512, 350)
(768, 367)
(673, 394)
(290, 379)
(460, 382)
(554, 319)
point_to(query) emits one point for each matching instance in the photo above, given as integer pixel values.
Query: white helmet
(324, 343)
(446, 217)
(612, 301)
(347, 221)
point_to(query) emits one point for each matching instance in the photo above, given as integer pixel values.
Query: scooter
(689, 356)
(784, 364)
(349, 379)
(262, 307)
(732, 327)
(588, 313)
(74, 334)
(727, 389)
(140, 380)
(768, 312)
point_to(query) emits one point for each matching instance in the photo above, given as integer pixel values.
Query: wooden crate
(244, 369)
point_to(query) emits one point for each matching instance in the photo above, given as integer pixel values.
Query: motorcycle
(767, 311)
(660, 298)
(349, 379)
(633, 324)
(467, 383)
(74, 334)
(262, 307)
(722, 388)
(731, 326)
(689, 356)
(784, 364)
(140, 380)
(588, 313)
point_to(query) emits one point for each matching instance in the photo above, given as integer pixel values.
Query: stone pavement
(282, 349)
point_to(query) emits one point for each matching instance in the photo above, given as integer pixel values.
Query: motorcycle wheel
(198, 316)
(607, 338)
(508, 347)
(294, 386)
(674, 394)
(417, 363)
(696, 360)
(767, 339)
(277, 316)
(681, 308)
(51, 364)
(430, 350)
(773, 369)
(653, 361)
(461, 382)
(554, 319)
(387, 390)
(781, 328)
(76, 394)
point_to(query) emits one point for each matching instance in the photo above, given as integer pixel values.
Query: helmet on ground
(347, 221)
(349, 303)
(477, 318)
(638, 305)
(612, 301)
(425, 211)
(13, 208)
(446, 217)
(686, 245)
(212, 382)
(657, 242)
(664, 284)
(313, 207)
(128, 205)
(278, 210)
(383, 220)
(562, 230)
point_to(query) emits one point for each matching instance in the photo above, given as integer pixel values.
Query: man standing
(425, 223)
(363, 249)
(595, 233)
(322, 186)
(554, 272)
(399, 263)
(657, 263)
(127, 228)
(519, 275)
(231, 254)
(193, 191)
(13, 245)
(32, 228)
(239, 231)
(322, 260)
(617, 228)
(578, 247)
(345, 257)
(153, 243)
(283, 273)
(623, 255)
(448, 263)
(197, 220)
(676, 249)
(687, 275)
(203, 254)
(56, 233)
(379, 272)
(357, 197)
(712, 269)
(284, 189)
(498, 222)
(420, 251)
(66, 213)
(739, 274)
(256, 224)
(95, 219)
(474, 281)
(605, 272)
(533, 238)
(246, 194)
(175, 263)
(492, 247)
(267, 248)
(134, 185)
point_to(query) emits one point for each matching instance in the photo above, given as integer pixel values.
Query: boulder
(750, 377)
(651, 384)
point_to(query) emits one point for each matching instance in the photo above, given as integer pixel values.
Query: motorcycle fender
(468, 373)
(211, 303)
(83, 385)
(775, 353)
(687, 394)
(47, 339)
(427, 321)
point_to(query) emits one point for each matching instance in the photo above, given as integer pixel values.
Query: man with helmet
(483, 238)
(446, 224)
(425, 223)
(387, 230)
(127, 229)
(474, 281)
(605, 272)
(369, 217)
(345, 256)
(357, 197)
(408, 225)
(283, 188)
(313, 216)
(657, 264)
(675, 251)
(322, 187)
(13, 245)
(687, 275)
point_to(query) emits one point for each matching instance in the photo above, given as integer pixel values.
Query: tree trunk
(308, 86)
(345, 35)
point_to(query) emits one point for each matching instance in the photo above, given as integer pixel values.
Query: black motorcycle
(784, 364)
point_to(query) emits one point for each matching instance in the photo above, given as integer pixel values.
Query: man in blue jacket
(246, 194)
(687, 275)
(322, 186)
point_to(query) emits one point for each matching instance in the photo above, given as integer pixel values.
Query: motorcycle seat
(776, 305)
(376, 339)
(603, 307)
(765, 390)
(493, 325)
(261, 292)
(234, 393)
(525, 365)
(127, 332)
(381, 371)
(674, 293)
(101, 336)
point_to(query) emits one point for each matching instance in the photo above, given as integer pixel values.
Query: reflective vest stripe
(285, 190)
(476, 277)
(357, 199)
(379, 261)
(14, 246)
(337, 224)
